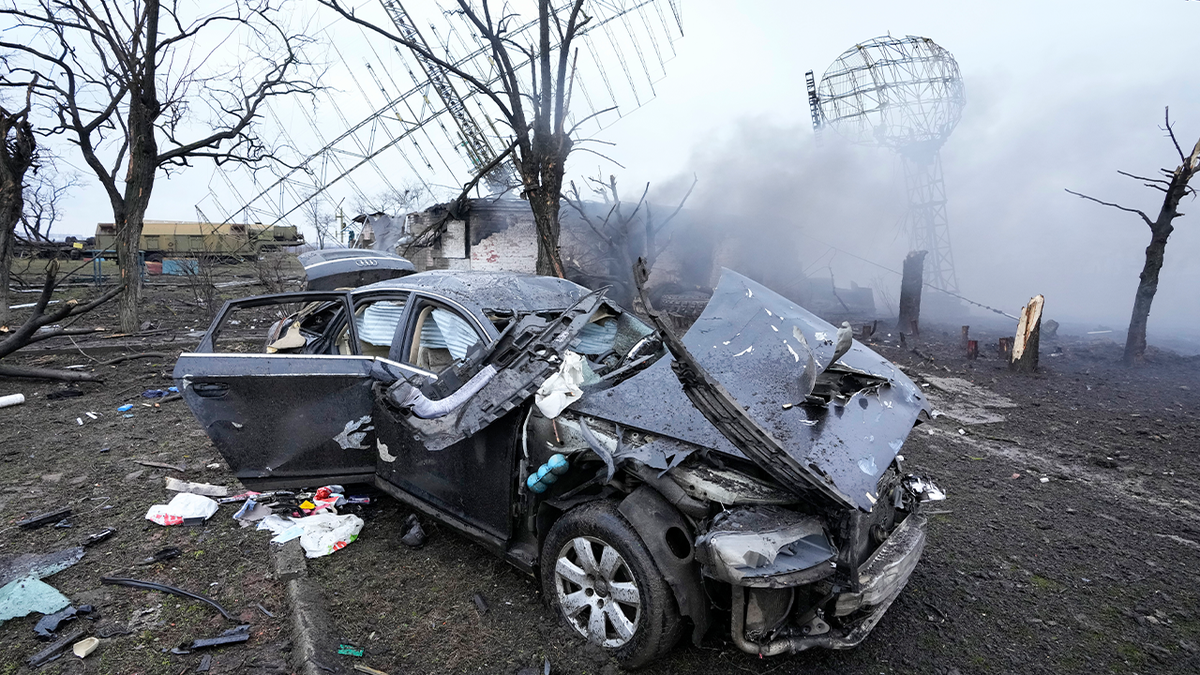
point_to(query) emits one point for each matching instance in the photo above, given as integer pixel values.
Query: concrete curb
(312, 627)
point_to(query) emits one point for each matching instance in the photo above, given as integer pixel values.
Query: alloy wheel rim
(597, 591)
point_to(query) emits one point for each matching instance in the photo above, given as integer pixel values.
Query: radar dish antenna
(905, 94)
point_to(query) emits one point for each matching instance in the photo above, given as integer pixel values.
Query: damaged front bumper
(767, 621)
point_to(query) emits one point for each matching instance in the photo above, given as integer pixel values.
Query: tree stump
(1025, 344)
(910, 290)
(1004, 348)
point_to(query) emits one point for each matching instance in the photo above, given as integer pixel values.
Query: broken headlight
(766, 545)
(923, 488)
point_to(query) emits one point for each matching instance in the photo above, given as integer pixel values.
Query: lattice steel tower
(905, 94)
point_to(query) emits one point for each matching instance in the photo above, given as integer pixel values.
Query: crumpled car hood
(767, 352)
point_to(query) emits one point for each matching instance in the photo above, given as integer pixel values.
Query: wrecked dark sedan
(646, 479)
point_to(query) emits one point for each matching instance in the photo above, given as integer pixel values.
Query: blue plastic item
(547, 474)
(126, 407)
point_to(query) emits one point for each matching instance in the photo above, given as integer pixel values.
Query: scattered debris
(182, 508)
(48, 625)
(125, 408)
(27, 595)
(264, 610)
(368, 670)
(414, 536)
(44, 519)
(164, 554)
(205, 664)
(151, 586)
(349, 650)
(480, 603)
(63, 393)
(232, 636)
(161, 465)
(99, 536)
(85, 646)
(251, 512)
(50, 653)
(176, 485)
(154, 393)
(38, 565)
(11, 399)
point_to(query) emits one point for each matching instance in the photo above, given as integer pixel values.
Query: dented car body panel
(739, 453)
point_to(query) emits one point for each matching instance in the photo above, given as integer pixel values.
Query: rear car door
(470, 479)
(281, 386)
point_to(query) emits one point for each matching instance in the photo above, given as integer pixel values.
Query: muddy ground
(1068, 543)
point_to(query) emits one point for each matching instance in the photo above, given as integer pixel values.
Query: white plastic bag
(325, 533)
(183, 505)
(562, 388)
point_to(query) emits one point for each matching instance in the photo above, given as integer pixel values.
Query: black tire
(655, 621)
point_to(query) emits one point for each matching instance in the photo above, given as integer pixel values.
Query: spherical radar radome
(895, 92)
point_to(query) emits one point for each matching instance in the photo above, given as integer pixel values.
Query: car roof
(490, 290)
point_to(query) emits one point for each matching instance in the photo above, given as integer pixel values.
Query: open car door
(279, 402)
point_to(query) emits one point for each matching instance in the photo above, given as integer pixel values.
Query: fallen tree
(41, 326)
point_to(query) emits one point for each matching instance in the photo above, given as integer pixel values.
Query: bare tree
(532, 92)
(128, 82)
(18, 154)
(394, 201)
(626, 235)
(1174, 188)
(319, 218)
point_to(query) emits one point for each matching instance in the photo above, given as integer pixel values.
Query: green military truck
(174, 238)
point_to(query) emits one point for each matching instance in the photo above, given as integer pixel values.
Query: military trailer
(167, 238)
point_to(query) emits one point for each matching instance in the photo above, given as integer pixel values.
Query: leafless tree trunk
(533, 104)
(1174, 188)
(18, 154)
(124, 87)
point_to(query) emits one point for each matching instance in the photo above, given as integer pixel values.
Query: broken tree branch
(47, 374)
(131, 357)
(1115, 206)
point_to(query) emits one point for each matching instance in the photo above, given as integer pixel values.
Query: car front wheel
(599, 576)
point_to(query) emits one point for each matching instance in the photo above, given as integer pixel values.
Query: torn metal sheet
(727, 487)
(527, 353)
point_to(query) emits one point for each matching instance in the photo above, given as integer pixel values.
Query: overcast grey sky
(1059, 94)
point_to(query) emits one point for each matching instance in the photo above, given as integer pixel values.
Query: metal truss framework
(926, 222)
(405, 139)
(905, 94)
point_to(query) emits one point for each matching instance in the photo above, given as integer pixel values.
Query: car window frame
(417, 302)
(302, 297)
